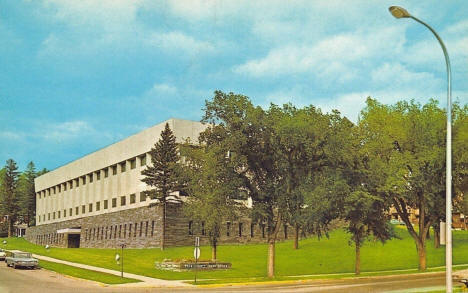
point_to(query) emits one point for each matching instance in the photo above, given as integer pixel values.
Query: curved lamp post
(399, 12)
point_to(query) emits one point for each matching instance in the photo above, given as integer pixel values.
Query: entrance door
(73, 240)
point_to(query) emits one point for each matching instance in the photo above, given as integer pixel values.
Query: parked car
(2, 254)
(18, 258)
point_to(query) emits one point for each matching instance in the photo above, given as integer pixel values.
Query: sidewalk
(145, 281)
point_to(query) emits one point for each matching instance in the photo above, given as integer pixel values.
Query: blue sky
(76, 76)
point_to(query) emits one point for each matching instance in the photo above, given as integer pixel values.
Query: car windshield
(22, 255)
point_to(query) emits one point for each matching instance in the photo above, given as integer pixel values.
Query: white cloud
(69, 130)
(162, 88)
(178, 41)
(397, 76)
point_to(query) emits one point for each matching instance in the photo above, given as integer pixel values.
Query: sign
(196, 253)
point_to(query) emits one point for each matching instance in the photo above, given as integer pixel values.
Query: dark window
(77, 211)
(142, 196)
(53, 217)
(90, 207)
(71, 212)
(115, 232)
(120, 231)
(58, 214)
(65, 213)
(240, 229)
(65, 186)
(132, 163)
(130, 231)
(285, 232)
(123, 167)
(83, 209)
(98, 175)
(114, 169)
(146, 231)
(48, 216)
(106, 231)
(252, 227)
(141, 228)
(53, 188)
(152, 228)
(90, 178)
(98, 206)
(228, 229)
(105, 204)
(132, 198)
(203, 228)
(125, 231)
(123, 200)
(190, 228)
(60, 188)
(143, 160)
(83, 180)
(106, 172)
(136, 228)
(114, 202)
(77, 182)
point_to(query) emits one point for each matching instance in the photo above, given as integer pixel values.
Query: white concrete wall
(107, 188)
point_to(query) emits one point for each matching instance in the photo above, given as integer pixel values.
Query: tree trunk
(163, 230)
(213, 252)
(271, 258)
(9, 227)
(296, 236)
(421, 248)
(428, 236)
(436, 238)
(357, 264)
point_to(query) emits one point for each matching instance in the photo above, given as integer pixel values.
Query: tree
(162, 173)
(9, 194)
(27, 194)
(405, 148)
(213, 188)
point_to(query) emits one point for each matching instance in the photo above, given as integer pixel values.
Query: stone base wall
(141, 228)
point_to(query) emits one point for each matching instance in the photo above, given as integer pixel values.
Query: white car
(2, 254)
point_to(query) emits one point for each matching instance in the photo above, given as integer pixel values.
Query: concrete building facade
(99, 201)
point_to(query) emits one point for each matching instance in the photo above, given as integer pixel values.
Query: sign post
(196, 254)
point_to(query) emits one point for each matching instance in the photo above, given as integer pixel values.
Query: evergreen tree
(9, 194)
(162, 173)
(27, 195)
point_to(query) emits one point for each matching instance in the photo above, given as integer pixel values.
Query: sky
(76, 76)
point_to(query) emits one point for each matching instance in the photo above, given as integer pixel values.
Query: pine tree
(161, 174)
(8, 193)
(27, 194)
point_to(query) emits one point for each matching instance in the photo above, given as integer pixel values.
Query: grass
(85, 274)
(315, 257)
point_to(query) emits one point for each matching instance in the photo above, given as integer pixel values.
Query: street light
(399, 12)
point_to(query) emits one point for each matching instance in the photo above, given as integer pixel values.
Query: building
(98, 200)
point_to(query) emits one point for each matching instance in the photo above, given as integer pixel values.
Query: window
(114, 169)
(146, 231)
(65, 213)
(123, 200)
(203, 228)
(143, 160)
(120, 231)
(123, 167)
(252, 227)
(43, 217)
(240, 229)
(133, 163)
(53, 188)
(70, 183)
(98, 175)
(90, 177)
(65, 186)
(83, 209)
(105, 204)
(142, 196)
(190, 228)
(90, 207)
(83, 180)
(106, 172)
(77, 182)
(152, 228)
(130, 231)
(114, 202)
(53, 216)
(58, 214)
(71, 212)
(136, 228)
(132, 198)
(98, 206)
(77, 211)
(60, 188)
(141, 228)
(125, 231)
(228, 229)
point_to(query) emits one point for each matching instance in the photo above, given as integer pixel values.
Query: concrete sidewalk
(145, 281)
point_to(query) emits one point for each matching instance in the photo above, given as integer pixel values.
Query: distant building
(98, 200)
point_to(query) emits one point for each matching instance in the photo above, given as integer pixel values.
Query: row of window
(120, 231)
(240, 230)
(74, 183)
(105, 206)
(49, 238)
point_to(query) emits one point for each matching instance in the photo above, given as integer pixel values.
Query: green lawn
(325, 256)
(85, 274)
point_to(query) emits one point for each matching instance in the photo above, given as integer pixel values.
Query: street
(22, 280)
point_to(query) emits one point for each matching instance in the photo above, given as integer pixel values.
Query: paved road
(20, 280)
